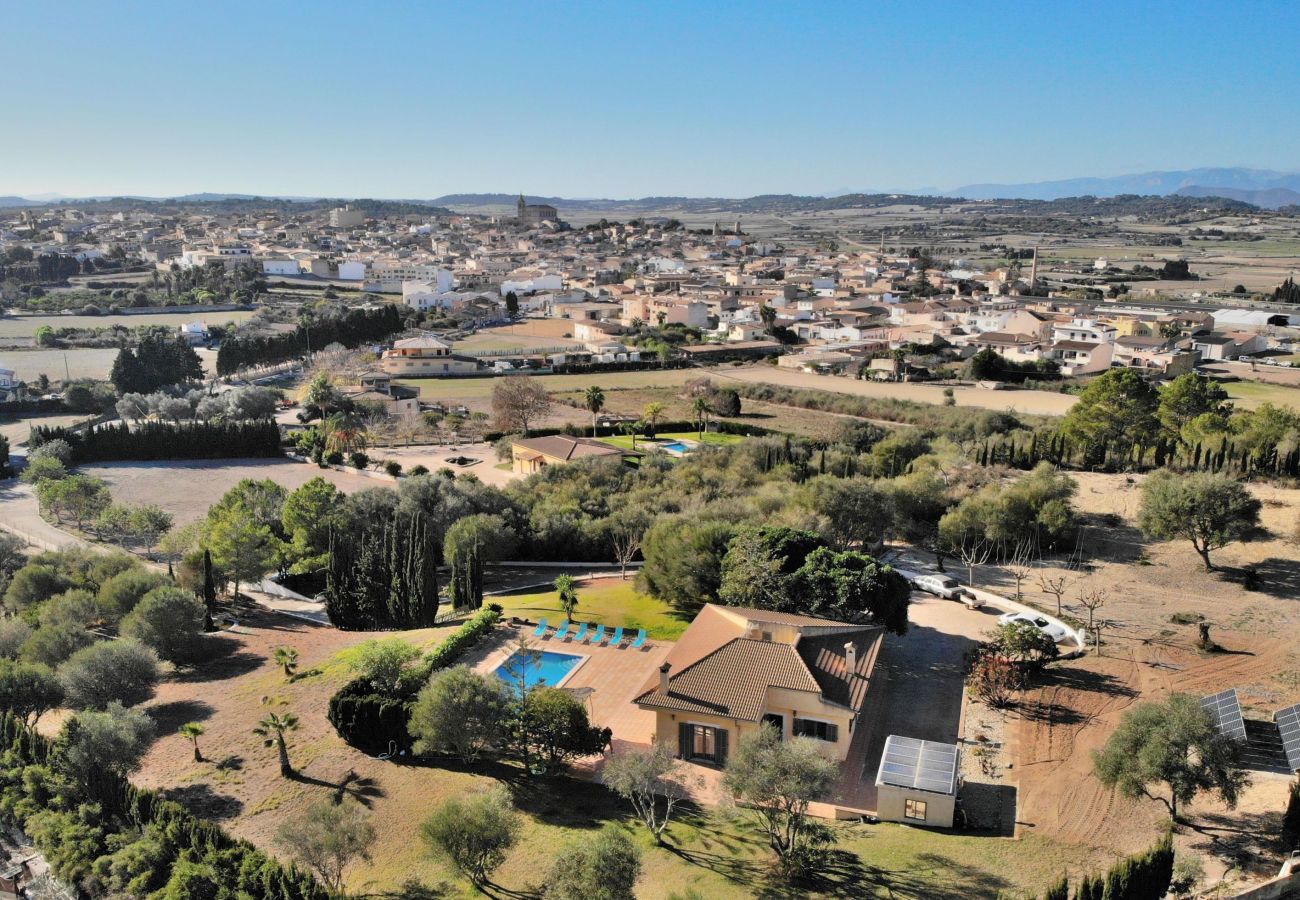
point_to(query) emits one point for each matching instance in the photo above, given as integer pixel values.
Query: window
(914, 809)
(703, 743)
(814, 728)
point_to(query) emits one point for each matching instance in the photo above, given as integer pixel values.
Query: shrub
(359, 460)
(460, 711)
(95, 676)
(393, 468)
(170, 621)
(419, 470)
(604, 867)
(473, 833)
(121, 593)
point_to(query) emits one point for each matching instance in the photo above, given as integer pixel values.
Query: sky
(628, 99)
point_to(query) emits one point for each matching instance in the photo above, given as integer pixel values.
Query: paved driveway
(926, 673)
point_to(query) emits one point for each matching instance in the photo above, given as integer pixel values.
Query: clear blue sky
(624, 99)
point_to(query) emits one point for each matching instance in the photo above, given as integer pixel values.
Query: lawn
(624, 441)
(1254, 393)
(25, 326)
(479, 388)
(608, 601)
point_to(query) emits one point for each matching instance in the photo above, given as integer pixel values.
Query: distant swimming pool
(550, 669)
(676, 447)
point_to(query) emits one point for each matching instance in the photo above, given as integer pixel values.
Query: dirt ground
(1146, 656)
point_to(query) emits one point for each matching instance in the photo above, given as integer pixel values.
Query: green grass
(624, 441)
(607, 601)
(1252, 393)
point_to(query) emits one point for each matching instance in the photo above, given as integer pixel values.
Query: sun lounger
(617, 638)
(582, 633)
(541, 629)
(640, 640)
(598, 635)
(562, 630)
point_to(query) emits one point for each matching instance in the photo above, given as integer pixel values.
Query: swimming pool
(676, 447)
(545, 668)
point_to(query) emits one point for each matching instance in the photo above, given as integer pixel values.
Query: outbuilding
(917, 782)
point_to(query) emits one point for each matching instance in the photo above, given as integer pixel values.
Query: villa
(735, 670)
(534, 454)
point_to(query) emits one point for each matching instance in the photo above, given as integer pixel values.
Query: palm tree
(595, 400)
(287, 659)
(701, 409)
(271, 730)
(652, 413)
(192, 730)
(631, 429)
(567, 590)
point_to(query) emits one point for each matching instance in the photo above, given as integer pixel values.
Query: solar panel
(1225, 709)
(922, 765)
(1288, 723)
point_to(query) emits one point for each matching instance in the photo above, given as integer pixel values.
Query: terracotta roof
(1076, 345)
(559, 446)
(716, 669)
(733, 680)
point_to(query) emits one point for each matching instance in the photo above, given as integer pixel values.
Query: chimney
(850, 657)
(663, 677)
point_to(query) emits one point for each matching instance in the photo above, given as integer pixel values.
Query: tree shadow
(1276, 576)
(1249, 841)
(167, 717)
(1080, 679)
(226, 659)
(206, 803)
(1112, 539)
(231, 763)
(561, 801)
(363, 789)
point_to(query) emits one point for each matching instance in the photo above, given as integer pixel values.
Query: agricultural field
(25, 326)
(1251, 394)
(75, 362)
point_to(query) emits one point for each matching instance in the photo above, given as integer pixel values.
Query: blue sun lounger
(640, 640)
(617, 638)
(541, 629)
(562, 630)
(598, 635)
(582, 633)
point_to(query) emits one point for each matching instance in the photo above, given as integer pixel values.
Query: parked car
(1051, 629)
(946, 587)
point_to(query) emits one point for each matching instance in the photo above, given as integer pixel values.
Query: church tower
(521, 206)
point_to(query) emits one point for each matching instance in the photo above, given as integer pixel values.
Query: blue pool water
(548, 668)
(676, 447)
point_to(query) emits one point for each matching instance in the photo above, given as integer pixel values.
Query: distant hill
(1267, 198)
(1158, 183)
(11, 201)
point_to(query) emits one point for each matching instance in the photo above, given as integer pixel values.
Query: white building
(281, 267)
(391, 274)
(352, 270)
(7, 381)
(533, 285)
(346, 217)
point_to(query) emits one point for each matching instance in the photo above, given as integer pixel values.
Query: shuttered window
(822, 731)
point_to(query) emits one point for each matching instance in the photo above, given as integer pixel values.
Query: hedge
(376, 722)
(163, 440)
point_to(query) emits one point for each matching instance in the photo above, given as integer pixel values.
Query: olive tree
(1172, 743)
(778, 779)
(1207, 509)
(327, 837)
(644, 779)
(473, 832)
(123, 671)
(462, 712)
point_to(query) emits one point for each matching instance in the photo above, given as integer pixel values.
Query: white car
(946, 587)
(1051, 629)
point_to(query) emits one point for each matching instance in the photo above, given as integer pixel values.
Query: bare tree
(625, 537)
(974, 553)
(1056, 586)
(1093, 600)
(1020, 566)
(518, 401)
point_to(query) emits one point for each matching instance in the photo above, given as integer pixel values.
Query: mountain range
(1264, 188)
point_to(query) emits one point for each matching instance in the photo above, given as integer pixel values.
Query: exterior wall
(786, 703)
(281, 267)
(424, 366)
(667, 722)
(803, 705)
(891, 803)
(352, 271)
